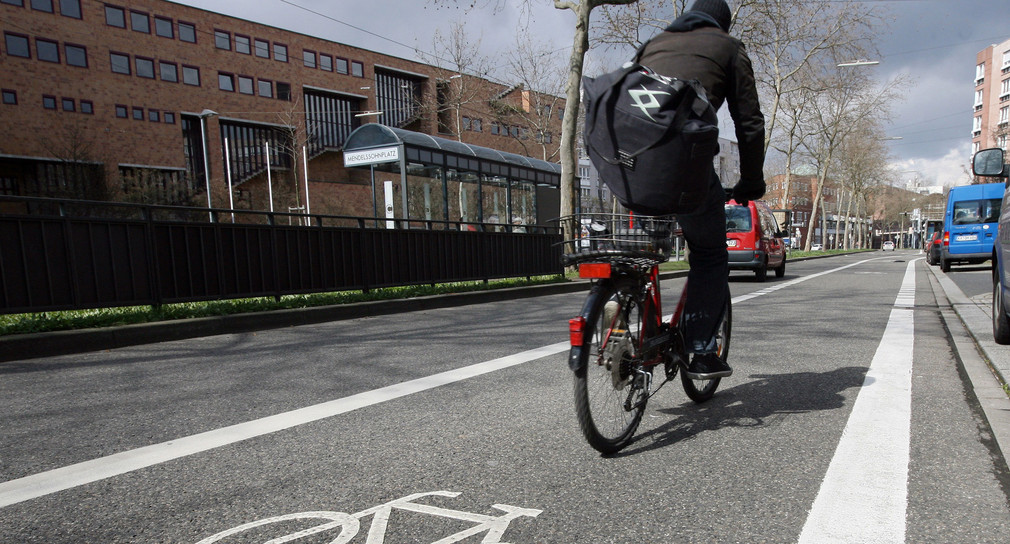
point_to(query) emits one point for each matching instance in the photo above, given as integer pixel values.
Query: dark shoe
(707, 366)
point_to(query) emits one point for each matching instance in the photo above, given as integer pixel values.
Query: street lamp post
(206, 168)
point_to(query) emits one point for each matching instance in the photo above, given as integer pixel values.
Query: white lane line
(44, 483)
(52, 481)
(864, 493)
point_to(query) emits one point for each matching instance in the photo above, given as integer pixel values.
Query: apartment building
(991, 107)
(155, 101)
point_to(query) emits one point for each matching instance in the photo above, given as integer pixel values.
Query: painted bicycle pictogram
(347, 526)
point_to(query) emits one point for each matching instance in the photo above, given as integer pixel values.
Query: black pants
(707, 281)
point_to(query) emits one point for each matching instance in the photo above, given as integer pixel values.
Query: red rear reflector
(575, 327)
(594, 270)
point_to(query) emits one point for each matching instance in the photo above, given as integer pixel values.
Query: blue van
(969, 225)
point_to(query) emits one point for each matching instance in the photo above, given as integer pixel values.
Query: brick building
(107, 101)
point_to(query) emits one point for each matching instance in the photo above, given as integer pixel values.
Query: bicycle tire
(702, 390)
(609, 397)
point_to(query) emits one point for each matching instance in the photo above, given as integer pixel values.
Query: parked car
(817, 247)
(754, 240)
(887, 246)
(932, 248)
(969, 224)
(991, 163)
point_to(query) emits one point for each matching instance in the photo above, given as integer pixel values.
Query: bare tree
(458, 56)
(844, 105)
(540, 84)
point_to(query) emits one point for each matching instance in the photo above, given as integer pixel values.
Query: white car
(817, 247)
(888, 246)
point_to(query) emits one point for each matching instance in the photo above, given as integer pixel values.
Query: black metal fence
(62, 254)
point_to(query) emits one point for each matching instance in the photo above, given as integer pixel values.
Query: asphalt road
(847, 418)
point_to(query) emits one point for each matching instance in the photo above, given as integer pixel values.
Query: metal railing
(67, 254)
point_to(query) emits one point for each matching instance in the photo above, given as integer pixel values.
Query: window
(10, 97)
(978, 98)
(341, 65)
(115, 17)
(283, 91)
(18, 3)
(69, 104)
(47, 50)
(163, 27)
(43, 5)
(140, 22)
(138, 114)
(243, 45)
(280, 52)
(357, 69)
(48, 102)
(169, 71)
(121, 111)
(494, 127)
(266, 88)
(262, 48)
(76, 55)
(309, 58)
(169, 117)
(326, 62)
(17, 45)
(153, 116)
(1004, 114)
(1004, 90)
(187, 32)
(976, 125)
(466, 123)
(222, 40)
(191, 75)
(979, 72)
(145, 67)
(476, 125)
(87, 107)
(225, 82)
(245, 85)
(70, 8)
(120, 63)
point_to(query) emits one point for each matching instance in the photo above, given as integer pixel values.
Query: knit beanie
(717, 9)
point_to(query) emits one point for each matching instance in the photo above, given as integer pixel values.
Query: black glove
(747, 190)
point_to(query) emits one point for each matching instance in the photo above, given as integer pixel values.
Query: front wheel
(611, 387)
(702, 390)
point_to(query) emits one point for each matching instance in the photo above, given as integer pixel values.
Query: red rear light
(575, 327)
(946, 238)
(594, 270)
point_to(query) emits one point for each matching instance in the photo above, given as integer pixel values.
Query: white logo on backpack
(637, 95)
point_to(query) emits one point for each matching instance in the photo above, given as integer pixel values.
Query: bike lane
(524, 454)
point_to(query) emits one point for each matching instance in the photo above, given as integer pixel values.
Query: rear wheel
(1000, 320)
(781, 270)
(610, 384)
(702, 390)
(944, 264)
(762, 272)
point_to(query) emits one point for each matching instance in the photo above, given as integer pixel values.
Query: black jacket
(694, 47)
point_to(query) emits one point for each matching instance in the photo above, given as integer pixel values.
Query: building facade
(156, 102)
(991, 106)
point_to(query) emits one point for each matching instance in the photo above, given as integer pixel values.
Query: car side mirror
(989, 163)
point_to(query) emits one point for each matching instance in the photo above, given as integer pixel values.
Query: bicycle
(620, 337)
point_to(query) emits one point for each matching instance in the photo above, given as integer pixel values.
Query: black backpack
(652, 138)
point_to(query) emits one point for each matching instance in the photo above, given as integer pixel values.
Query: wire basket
(636, 239)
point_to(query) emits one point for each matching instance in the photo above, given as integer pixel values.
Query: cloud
(948, 170)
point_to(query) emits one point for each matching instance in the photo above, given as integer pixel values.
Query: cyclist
(698, 46)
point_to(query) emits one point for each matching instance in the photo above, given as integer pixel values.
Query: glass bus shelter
(422, 178)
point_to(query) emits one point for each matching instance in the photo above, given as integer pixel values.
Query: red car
(933, 248)
(754, 240)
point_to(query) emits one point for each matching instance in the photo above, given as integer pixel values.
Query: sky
(933, 41)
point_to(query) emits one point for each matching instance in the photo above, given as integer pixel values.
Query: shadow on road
(751, 405)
